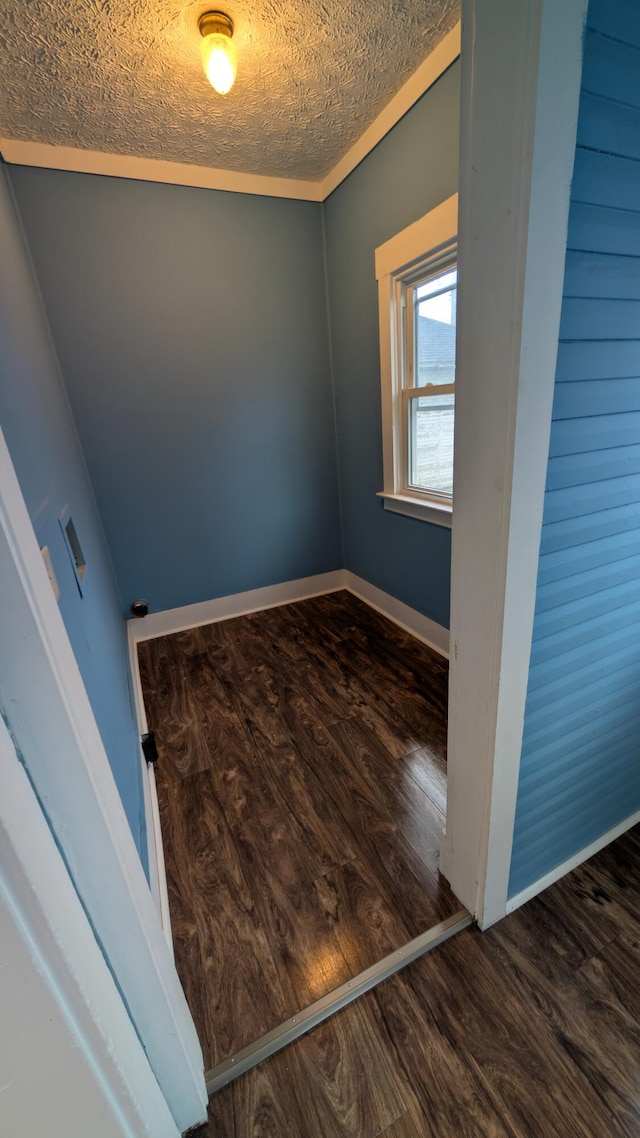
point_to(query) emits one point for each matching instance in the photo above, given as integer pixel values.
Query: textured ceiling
(124, 76)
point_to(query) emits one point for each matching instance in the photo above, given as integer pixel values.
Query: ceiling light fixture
(218, 51)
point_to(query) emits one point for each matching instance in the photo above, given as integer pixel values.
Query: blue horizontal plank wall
(42, 440)
(580, 770)
(413, 169)
(191, 327)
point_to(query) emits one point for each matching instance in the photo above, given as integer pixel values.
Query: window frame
(402, 262)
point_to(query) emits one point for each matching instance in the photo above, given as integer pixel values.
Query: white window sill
(433, 512)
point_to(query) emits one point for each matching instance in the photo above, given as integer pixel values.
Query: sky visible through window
(431, 418)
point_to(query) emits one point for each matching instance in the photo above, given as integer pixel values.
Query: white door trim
(521, 70)
(91, 1019)
(46, 705)
(157, 867)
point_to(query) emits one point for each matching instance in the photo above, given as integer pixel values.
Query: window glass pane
(431, 443)
(435, 329)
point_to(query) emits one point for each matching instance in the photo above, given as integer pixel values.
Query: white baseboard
(237, 604)
(571, 863)
(255, 600)
(407, 618)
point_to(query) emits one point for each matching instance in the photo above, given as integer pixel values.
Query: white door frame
(70, 1059)
(521, 71)
(45, 704)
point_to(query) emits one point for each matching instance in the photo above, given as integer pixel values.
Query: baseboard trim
(236, 604)
(169, 621)
(333, 1002)
(571, 863)
(424, 629)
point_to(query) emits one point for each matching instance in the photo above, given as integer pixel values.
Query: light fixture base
(215, 23)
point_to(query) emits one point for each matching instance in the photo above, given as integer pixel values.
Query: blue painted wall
(580, 771)
(41, 436)
(413, 169)
(191, 328)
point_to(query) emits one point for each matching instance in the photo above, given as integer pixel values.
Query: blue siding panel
(598, 432)
(605, 180)
(576, 500)
(618, 19)
(609, 69)
(579, 531)
(570, 691)
(601, 275)
(599, 319)
(561, 628)
(561, 563)
(597, 229)
(609, 128)
(595, 466)
(619, 360)
(585, 398)
(580, 763)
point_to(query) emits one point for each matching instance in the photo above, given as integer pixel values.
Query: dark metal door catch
(149, 748)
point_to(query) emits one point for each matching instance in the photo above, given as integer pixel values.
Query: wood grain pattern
(526, 1031)
(302, 790)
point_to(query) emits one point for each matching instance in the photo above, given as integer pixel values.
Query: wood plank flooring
(302, 790)
(530, 1030)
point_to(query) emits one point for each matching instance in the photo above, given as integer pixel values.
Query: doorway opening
(302, 792)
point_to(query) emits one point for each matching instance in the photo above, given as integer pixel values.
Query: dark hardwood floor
(530, 1030)
(302, 788)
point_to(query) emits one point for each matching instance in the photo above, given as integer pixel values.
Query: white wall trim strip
(20, 153)
(236, 604)
(155, 848)
(424, 629)
(571, 863)
(24, 153)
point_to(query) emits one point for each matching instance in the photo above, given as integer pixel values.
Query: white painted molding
(155, 848)
(51, 719)
(20, 153)
(256, 600)
(407, 618)
(406, 253)
(423, 511)
(71, 1062)
(521, 67)
(23, 153)
(429, 71)
(438, 227)
(571, 863)
(168, 621)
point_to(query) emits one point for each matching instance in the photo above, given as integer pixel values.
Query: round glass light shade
(219, 61)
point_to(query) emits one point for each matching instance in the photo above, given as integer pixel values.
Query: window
(417, 290)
